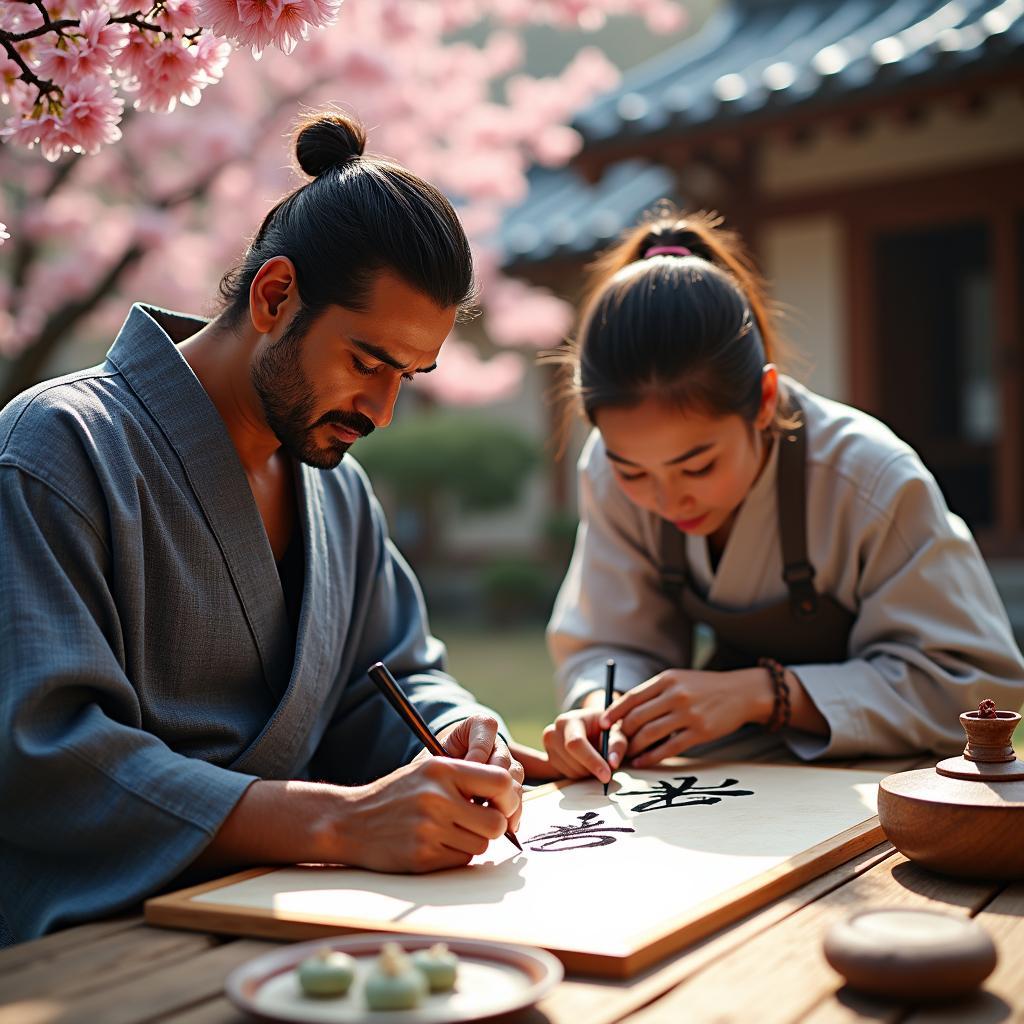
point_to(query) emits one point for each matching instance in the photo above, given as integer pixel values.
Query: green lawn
(508, 669)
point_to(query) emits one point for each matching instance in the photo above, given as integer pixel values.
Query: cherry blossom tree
(137, 202)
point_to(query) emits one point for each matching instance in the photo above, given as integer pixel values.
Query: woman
(851, 610)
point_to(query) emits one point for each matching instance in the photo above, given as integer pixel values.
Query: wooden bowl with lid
(965, 816)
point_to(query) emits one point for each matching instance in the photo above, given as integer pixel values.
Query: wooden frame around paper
(179, 910)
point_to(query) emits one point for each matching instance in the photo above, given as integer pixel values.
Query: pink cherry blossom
(665, 17)
(45, 131)
(10, 75)
(222, 17)
(518, 315)
(262, 23)
(178, 16)
(153, 228)
(556, 145)
(131, 61)
(4, 233)
(167, 77)
(188, 188)
(88, 51)
(98, 41)
(91, 113)
(56, 63)
(292, 23)
(463, 378)
(363, 67)
(20, 17)
(66, 217)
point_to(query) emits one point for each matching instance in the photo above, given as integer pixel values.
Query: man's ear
(769, 397)
(272, 294)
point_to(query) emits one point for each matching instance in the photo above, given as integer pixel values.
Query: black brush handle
(388, 685)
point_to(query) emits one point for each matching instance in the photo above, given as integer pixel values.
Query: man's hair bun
(328, 140)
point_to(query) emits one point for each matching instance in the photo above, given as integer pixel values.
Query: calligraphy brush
(387, 684)
(609, 687)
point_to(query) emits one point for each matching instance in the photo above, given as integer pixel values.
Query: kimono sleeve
(931, 638)
(611, 603)
(366, 739)
(95, 813)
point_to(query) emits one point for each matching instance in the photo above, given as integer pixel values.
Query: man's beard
(288, 401)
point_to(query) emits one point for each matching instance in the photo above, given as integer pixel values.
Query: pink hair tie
(667, 250)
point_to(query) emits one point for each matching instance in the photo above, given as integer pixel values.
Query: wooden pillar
(1005, 229)
(861, 302)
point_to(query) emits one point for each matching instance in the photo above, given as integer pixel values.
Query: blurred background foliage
(480, 462)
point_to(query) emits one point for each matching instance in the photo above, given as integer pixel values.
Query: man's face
(327, 384)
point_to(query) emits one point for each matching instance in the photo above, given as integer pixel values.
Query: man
(195, 579)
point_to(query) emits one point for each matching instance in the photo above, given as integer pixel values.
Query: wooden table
(766, 968)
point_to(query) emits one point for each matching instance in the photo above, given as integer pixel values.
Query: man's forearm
(277, 823)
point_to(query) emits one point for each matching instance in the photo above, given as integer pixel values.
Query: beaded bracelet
(781, 709)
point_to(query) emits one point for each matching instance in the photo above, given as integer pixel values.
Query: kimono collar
(146, 355)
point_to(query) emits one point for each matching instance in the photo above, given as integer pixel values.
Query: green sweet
(393, 983)
(327, 973)
(438, 965)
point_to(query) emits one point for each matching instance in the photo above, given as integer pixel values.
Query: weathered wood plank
(99, 965)
(191, 982)
(25, 953)
(214, 1011)
(603, 1002)
(781, 976)
(1001, 1000)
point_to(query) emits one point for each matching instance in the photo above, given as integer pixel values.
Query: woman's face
(688, 467)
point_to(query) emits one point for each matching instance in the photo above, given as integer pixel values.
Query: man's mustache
(355, 421)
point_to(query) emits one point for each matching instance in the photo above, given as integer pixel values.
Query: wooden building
(872, 154)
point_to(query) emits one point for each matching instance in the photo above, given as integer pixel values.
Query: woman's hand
(573, 742)
(679, 708)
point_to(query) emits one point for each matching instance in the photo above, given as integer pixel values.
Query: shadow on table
(958, 892)
(981, 1008)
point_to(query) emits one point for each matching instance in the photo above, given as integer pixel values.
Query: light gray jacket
(931, 637)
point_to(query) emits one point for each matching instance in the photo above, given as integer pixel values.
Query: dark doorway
(935, 333)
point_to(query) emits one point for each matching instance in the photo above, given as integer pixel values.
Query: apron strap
(673, 568)
(791, 498)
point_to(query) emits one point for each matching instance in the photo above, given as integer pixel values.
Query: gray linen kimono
(148, 668)
(930, 639)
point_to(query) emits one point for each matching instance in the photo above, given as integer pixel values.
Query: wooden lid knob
(989, 736)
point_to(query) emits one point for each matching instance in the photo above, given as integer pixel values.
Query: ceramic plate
(493, 978)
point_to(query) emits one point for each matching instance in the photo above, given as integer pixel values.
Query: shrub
(482, 462)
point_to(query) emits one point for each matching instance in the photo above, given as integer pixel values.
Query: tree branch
(59, 26)
(26, 72)
(26, 369)
(136, 20)
(25, 249)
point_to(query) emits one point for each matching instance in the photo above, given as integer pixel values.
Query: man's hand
(679, 708)
(573, 740)
(420, 817)
(476, 739)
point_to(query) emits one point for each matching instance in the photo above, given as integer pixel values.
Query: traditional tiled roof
(566, 215)
(755, 57)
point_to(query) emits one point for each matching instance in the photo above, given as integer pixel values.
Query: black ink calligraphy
(684, 794)
(592, 832)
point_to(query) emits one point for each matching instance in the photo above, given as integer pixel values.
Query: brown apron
(804, 628)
